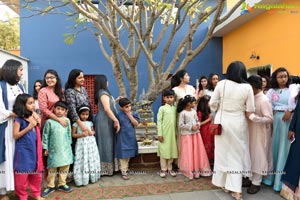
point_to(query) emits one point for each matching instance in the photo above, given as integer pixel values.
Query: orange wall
(273, 35)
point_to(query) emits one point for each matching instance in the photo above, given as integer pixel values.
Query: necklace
(15, 90)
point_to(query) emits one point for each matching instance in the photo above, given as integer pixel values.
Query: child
(260, 130)
(126, 139)
(193, 158)
(28, 163)
(205, 117)
(57, 142)
(87, 161)
(166, 124)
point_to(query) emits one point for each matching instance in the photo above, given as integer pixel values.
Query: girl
(202, 88)
(87, 160)
(28, 164)
(283, 103)
(204, 116)
(213, 79)
(36, 88)
(193, 158)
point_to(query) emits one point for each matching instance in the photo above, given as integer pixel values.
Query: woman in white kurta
(10, 75)
(231, 99)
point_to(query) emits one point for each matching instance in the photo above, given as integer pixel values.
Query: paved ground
(146, 177)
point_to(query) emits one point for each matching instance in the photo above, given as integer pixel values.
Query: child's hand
(195, 127)
(46, 153)
(32, 122)
(92, 133)
(160, 139)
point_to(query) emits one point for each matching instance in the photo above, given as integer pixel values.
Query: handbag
(216, 129)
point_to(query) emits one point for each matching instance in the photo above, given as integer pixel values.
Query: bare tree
(149, 25)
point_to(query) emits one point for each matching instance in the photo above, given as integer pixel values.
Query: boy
(57, 141)
(260, 124)
(166, 124)
(127, 146)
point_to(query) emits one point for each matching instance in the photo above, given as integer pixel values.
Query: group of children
(55, 142)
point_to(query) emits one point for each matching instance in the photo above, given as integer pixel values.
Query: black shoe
(253, 189)
(246, 182)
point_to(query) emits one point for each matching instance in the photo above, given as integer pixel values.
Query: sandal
(163, 174)
(172, 173)
(225, 190)
(237, 196)
(125, 176)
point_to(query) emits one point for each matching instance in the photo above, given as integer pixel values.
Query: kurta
(57, 140)
(75, 100)
(6, 179)
(207, 137)
(87, 161)
(180, 93)
(292, 166)
(260, 130)
(106, 136)
(166, 127)
(47, 98)
(127, 146)
(193, 158)
(232, 158)
(281, 99)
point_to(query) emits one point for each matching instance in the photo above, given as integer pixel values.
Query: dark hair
(58, 87)
(200, 79)
(19, 107)
(236, 72)
(274, 83)
(35, 93)
(168, 92)
(176, 79)
(74, 73)
(255, 81)
(123, 102)
(209, 81)
(184, 101)
(9, 71)
(62, 104)
(85, 108)
(203, 107)
(268, 81)
(295, 79)
(100, 83)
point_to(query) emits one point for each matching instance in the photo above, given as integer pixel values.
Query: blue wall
(42, 42)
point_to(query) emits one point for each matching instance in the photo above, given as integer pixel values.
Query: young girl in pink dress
(193, 158)
(205, 117)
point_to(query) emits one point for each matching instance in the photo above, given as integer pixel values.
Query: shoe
(172, 173)
(237, 196)
(65, 188)
(125, 176)
(162, 174)
(47, 191)
(253, 189)
(246, 182)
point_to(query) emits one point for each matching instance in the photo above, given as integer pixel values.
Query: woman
(202, 88)
(106, 126)
(50, 93)
(213, 79)
(281, 95)
(76, 97)
(265, 84)
(291, 179)
(10, 74)
(36, 88)
(231, 99)
(179, 83)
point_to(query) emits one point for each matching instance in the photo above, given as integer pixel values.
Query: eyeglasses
(50, 77)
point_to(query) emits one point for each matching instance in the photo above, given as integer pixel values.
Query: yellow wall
(273, 35)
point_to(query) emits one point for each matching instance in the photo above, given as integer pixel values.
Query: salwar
(166, 164)
(62, 176)
(256, 179)
(124, 162)
(231, 181)
(23, 180)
